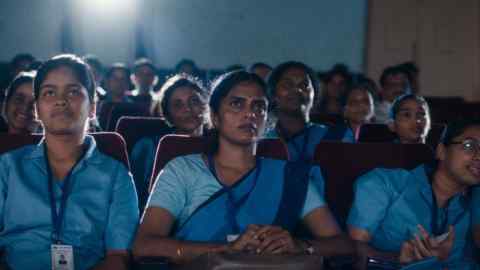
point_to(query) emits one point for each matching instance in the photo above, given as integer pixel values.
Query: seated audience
(261, 69)
(394, 83)
(18, 110)
(21, 62)
(97, 206)
(410, 119)
(413, 76)
(97, 69)
(186, 66)
(234, 67)
(183, 101)
(144, 78)
(210, 202)
(292, 86)
(336, 82)
(412, 215)
(117, 83)
(358, 109)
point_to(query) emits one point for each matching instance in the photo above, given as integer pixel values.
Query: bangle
(309, 250)
(179, 251)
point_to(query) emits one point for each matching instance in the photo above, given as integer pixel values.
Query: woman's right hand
(426, 246)
(247, 242)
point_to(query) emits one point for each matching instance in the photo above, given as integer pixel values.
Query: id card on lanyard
(61, 255)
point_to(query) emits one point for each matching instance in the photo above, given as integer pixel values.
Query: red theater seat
(445, 109)
(133, 128)
(108, 143)
(326, 119)
(381, 133)
(343, 163)
(172, 146)
(110, 113)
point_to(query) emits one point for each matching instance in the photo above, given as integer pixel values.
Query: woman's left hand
(275, 240)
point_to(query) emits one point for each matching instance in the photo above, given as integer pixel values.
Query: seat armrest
(151, 263)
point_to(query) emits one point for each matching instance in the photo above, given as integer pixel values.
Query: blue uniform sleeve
(348, 137)
(315, 192)
(170, 190)
(123, 215)
(475, 205)
(3, 191)
(372, 199)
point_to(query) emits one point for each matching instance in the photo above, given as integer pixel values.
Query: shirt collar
(279, 130)
(90, 156)
(423, 174)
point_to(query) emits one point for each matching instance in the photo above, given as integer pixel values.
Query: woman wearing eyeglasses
(425, 214)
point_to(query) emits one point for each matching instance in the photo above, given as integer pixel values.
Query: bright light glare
(108, 7)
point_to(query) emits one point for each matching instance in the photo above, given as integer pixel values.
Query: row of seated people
(183, 101)
(335, 84)
(115, 85)
(351, 101)
(222, 188)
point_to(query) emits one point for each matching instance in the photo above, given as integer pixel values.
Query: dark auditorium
(239, 135)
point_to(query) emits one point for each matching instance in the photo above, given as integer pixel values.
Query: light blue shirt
(348, 137)
(390, 203)
(101, 211)
(476, 205)
(302, 146)
(186, 182)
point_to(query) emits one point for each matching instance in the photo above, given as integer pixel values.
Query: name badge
(62, 257)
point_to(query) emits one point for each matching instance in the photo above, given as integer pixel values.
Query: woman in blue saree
(230, 200)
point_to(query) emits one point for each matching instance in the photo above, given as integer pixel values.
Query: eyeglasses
(470, 146)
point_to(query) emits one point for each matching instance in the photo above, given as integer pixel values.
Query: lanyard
(57, 217)
(436, 230)
(233, 205)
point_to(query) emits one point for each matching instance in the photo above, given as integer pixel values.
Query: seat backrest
(10, 142)
(373, 132)
(471, 110)
(434, 137)
(109, 143)
(3, 124)
(112, 144)
(445, 109)
(133, 128)
(326, 119)
(381, 133)
(111, 112)
(172, 146)
(343, 163)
